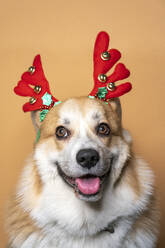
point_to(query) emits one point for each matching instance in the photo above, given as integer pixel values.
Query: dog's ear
(116, 107)
(35, 116)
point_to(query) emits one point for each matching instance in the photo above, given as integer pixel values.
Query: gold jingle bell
(111, 86)
(105, 55)
(31, 69)
(102, 78)
(37, 89)
(32, 100)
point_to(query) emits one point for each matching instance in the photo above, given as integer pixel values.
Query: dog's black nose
(87, 158)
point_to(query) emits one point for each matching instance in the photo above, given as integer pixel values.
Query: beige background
(63, 32)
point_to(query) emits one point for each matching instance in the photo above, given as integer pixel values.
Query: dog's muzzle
(89, 184)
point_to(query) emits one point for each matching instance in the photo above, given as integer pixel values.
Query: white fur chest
(57, 238)
(69, 222)
(73, 223)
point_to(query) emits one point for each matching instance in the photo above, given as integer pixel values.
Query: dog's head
(81, 139)
(81, 143)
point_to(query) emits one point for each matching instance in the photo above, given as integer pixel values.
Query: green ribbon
(38, 136)
(91, 97)
(56, 103)
(43, 114)
(102, 92)
(47, 100)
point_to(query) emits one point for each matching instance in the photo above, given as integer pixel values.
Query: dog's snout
(87, 158)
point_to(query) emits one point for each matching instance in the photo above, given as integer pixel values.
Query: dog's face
(80, 140)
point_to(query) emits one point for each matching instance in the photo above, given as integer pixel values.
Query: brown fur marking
(37, 180)
(19, 222)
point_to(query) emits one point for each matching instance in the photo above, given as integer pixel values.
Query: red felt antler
(104, 59)
(34, 84)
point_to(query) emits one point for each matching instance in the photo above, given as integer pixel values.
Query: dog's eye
(103, 129)
(62, 132)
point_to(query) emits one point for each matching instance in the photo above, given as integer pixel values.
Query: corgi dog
(82, 186)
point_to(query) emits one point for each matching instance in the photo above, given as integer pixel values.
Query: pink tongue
(88, 186)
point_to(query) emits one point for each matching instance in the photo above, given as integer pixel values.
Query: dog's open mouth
(87, 185)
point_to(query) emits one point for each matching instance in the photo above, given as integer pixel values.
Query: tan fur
(18, 222)
(16, 217)
(37, 183)
(48, 128)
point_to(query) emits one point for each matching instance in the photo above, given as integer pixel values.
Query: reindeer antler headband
(34, 84)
